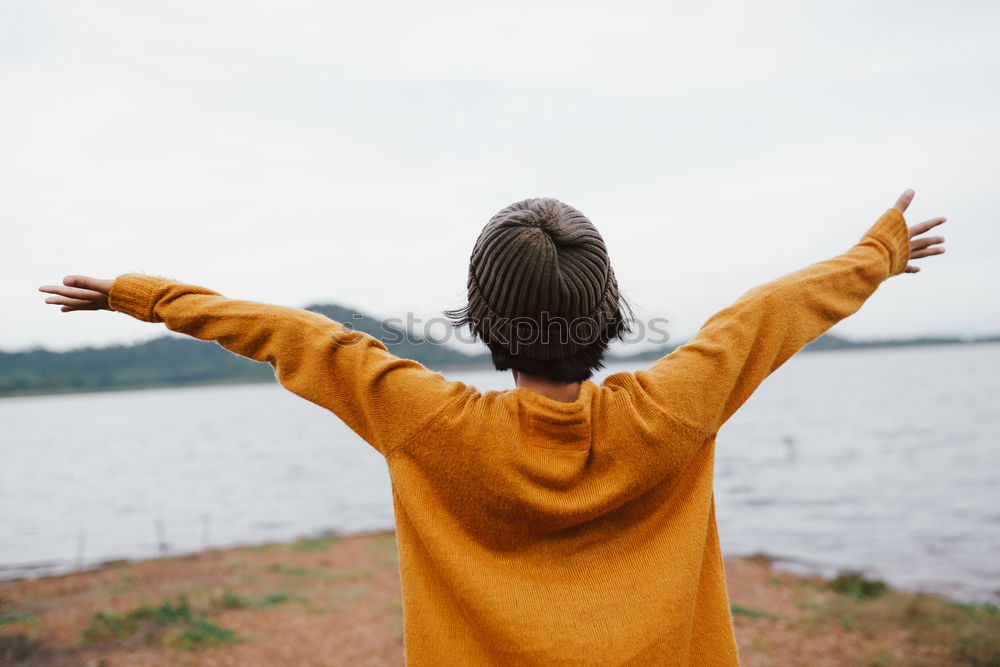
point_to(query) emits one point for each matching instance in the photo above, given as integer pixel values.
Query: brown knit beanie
(540, 282)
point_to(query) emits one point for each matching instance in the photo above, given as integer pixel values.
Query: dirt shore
(336, 601)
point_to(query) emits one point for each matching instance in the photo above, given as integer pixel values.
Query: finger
(87, 282)
(925, 226)
(921, 243)
(67, 301)
(74, 292)
(926, 253)
(70, 309)
(910, 268)
(904, 201)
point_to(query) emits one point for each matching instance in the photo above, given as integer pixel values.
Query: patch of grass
(277, 598)
(974, 610)
(318, 573)
(192, 632)
(947, 632)
(737, 610)
(281, 568)
(108, 625)
(979, 641)
(856, 586)
(201, 634)
(18, 618)
(230, 600)
(315, 543)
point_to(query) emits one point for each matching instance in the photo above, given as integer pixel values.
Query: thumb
(904, 201)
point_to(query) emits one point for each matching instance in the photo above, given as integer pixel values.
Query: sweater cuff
(892, 233)
(136, 295)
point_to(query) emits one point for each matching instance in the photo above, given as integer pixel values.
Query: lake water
(886, 461)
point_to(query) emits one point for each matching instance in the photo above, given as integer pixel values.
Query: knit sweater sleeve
(704, 381)
(383, 398)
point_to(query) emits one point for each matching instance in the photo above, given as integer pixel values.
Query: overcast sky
(297, 152)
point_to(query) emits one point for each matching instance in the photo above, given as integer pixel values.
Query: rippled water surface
(885, 460)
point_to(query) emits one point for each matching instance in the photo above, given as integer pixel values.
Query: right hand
(924, 246)
(79, 293)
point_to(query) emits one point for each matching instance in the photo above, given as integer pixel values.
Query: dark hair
(576, 367)
(539, 271)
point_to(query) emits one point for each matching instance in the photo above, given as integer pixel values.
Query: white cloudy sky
(296, 152)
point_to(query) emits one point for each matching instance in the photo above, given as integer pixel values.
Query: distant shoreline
(240, 376)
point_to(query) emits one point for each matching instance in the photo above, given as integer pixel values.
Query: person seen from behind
(561, 522)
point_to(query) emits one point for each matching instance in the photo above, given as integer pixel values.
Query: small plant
(294, 571)
(855, 585)
(233, 600)
(979, 644)
(745, 611)
(316, 543)
(230, 600)
(194, 633)
(105, 625)
(201, 634)
(18, 618)
(277, 598)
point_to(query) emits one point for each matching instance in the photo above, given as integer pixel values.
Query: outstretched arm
(703, 382)
(383, 398)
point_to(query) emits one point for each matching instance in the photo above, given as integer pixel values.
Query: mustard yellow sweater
(534, 532)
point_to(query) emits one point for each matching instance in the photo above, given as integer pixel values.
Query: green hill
(171, 361)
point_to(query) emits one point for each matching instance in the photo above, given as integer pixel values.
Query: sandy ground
(336, 601)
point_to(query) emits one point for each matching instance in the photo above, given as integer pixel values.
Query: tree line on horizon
(170, 361)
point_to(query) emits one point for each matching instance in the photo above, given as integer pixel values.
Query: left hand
(924, 246)
(79, 293)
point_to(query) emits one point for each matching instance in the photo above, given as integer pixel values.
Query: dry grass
(335, 601)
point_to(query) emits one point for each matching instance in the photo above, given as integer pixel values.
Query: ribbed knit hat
(540, 282)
